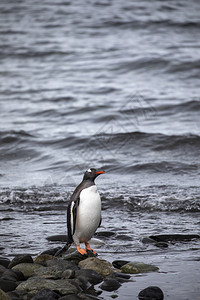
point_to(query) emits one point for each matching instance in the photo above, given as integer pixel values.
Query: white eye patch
(89, 170)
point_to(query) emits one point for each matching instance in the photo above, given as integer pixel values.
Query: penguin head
(92, 173)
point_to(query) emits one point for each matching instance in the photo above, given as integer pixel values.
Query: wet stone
(110, 285)
(51, 251)
(174, 237)
(90, 275)
(138, 267)
(119, 263)
(121, 277)
(7, 285)
(2, 270)
(46, 294)
(57, 238)
(105, 234)
(101, 266)
(12, 275)
(27, 269)
(151, 293)
(20, 259)
(4, 262)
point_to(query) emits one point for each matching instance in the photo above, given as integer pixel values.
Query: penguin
(83, 213)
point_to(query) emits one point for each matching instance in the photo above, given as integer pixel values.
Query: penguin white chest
(88, 214)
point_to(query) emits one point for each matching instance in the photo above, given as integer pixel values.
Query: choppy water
(111, 84)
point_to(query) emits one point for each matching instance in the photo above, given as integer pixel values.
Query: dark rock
(20, 259)
(4, 262)
(148, 240)
(119, 263)
(46, 294)
(90, 275)
(121, 277)
(57, 238)
(14, 295)
(10, 275)
(7, 285)
(51, 251)
(174, 237)
(2, 270)
(161, 245)
(70, 297)
(151, 293)
(77, 257)
(105, 234)
(110, 285)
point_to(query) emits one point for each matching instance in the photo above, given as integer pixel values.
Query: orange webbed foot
(89, 248)
(81, 251)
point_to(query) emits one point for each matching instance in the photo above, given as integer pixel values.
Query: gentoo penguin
(83, 212)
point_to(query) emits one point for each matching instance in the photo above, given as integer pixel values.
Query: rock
(20, 259)
(7, 285)
(2, 270)
(4, 296)
(105, 234)
(101, 266)
(119, 263)
(161, 245)
(46, 294)
(110, 285)
(151, 293)
(13, 275)
(55, 269)
(35, 284)
(14, 295)
(26, 268)
(51, 251)
(121, 277)
(42, 259)
(148, 240)
(76, 256)
(138, 267)
(4, 262)
(90, 275)
(57, 238)
(174, 237)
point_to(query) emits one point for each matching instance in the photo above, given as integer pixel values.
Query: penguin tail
(63, 249)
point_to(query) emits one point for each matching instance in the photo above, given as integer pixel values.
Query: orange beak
(100, 172)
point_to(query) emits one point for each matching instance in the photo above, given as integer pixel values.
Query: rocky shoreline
(70, 277)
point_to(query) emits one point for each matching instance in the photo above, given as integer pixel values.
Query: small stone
(151, 293)
(77, 257)
(4, 262)
(90, 275)
(46, 294)
(174, 237)
(101, 266)
(26, 268)
(3, 295)
(110, 285)
(57, 238)
(7, 285)
(10, 275)
(43, 258)
(105, 234)
(138, 267)
(161, 245)
(121, 277)
(20, 259)
(119, 263)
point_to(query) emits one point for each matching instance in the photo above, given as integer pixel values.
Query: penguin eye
(89, 170)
